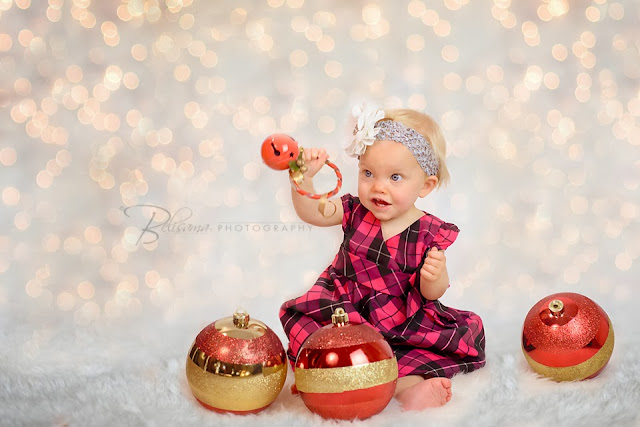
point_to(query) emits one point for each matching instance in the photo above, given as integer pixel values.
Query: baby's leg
(415, 393)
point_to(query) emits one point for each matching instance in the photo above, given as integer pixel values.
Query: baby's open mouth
(380, 202)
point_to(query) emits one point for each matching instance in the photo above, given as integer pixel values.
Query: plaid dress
(378, 283)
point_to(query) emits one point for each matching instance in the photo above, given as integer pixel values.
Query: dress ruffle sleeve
(446, 235)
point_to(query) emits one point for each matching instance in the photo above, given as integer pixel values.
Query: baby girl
(391, 268)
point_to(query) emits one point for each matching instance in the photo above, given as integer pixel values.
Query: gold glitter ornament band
(580, 371)
(348, 378)
(239, 393)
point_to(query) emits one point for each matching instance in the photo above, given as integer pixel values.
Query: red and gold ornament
(346, 371)
(236, 365)
(567, 337)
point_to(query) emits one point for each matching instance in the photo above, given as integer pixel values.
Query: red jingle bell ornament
(567, 337)
(346, 371)
(278, 150)
(281, 152)
(236, 365)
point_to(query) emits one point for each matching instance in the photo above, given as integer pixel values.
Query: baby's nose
(379, 186)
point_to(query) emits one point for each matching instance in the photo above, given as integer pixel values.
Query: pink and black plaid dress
(378, 283)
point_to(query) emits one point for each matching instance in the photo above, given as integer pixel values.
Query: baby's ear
(430, 182)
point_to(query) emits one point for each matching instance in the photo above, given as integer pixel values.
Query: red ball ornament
(567, 337)
(346, 371)
(236, 365)
(278, 150)
(281, 152)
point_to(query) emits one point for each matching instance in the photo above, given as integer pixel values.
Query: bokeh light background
(109, 105)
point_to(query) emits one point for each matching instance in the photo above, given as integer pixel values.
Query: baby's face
(390, 180)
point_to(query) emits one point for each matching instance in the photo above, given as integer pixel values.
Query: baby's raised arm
(308, 209)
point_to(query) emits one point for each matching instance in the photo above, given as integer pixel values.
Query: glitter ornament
(346, 371)
(567, 337)
(236, 365)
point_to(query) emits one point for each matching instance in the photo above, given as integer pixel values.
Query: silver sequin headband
(372, 127)
(421, 149)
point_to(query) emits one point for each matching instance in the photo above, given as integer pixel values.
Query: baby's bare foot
(430, 393)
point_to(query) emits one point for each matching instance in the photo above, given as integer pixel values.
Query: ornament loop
(297, 178)
(241, 319)
(339, 317)
(556, 307)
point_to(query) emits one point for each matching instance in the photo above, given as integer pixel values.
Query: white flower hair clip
(365, 131)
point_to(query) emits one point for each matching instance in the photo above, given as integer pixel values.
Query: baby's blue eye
(396, 177)
(367, 173)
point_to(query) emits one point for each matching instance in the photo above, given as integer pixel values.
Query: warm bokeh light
(130, 124)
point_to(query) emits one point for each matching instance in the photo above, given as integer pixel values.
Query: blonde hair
(429, 129)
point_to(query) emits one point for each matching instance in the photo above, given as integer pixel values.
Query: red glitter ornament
(567, 337)
(236, 365)
(278, 150)
(346, 371)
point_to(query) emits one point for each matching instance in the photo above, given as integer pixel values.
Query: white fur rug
(132, 376)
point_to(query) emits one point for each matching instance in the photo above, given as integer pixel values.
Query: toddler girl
(391, 268)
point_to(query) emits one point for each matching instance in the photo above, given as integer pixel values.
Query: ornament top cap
(241, 318)
(556, 306)
(241, 326)
(339, 317)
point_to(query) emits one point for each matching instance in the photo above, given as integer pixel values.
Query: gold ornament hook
(339, 317)
(556, 307)
(241, 318)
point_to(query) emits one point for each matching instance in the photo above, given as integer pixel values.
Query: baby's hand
(314, 159)
(434, 265)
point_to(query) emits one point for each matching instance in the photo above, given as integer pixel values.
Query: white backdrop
(108, 106)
